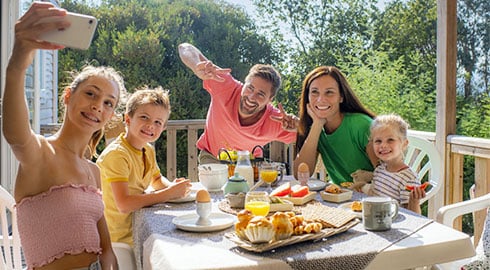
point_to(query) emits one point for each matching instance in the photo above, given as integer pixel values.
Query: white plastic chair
(423, 158)
(10, 240)
(125, 256)
(448, 213)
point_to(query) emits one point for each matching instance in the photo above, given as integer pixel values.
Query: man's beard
(245, 110)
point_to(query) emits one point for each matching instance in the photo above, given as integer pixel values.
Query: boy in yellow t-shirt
(128, 165)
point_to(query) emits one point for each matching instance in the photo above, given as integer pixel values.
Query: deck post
(446, 93)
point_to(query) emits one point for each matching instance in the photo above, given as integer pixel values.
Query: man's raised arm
(199, 64)
(191, 56)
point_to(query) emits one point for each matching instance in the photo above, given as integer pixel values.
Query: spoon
(254, 187)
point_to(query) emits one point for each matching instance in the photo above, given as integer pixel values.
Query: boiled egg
(202, 196)
(303, 167)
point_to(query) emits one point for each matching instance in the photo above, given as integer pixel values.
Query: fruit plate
(291, 240)
(284, 206)
(300, 200)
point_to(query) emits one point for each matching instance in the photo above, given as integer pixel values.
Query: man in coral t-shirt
(240, 115)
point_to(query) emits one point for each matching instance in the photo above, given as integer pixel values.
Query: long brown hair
(350, 104)
(104, 72)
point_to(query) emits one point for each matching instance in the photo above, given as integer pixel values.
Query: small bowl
(343, 196)
(213, 176)
(236, 200)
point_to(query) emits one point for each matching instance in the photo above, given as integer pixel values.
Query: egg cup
(203, 211)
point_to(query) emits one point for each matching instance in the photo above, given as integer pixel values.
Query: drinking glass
(257, 202)
(268, 173)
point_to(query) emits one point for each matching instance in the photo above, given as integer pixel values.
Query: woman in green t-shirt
(334, 123)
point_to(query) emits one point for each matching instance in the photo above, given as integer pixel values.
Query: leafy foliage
(388, 55)
(386, 87)
(140, 39)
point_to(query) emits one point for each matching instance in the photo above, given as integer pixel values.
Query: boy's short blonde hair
(393, 121)
(157, 96)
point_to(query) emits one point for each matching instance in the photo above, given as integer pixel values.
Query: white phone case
(78, 35)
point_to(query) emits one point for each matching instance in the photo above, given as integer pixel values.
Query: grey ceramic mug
(378, 213)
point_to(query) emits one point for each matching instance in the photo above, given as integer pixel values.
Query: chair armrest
(448, 213)
(121, 245)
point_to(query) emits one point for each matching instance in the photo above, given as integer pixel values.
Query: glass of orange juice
(268, 173)
(257, 202)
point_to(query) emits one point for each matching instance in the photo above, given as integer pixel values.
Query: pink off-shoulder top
(62, 220)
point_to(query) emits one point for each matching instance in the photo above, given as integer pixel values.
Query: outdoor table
(413, 241)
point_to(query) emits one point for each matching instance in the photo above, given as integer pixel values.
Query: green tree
(140, 38)
(390, 68)
(386, 86)
(474, 46)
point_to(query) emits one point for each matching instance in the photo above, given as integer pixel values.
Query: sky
(249, 7)
(247, 4)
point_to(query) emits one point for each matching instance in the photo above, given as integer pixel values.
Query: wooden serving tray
(291, 240)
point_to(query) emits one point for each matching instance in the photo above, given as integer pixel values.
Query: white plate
(346, 207)
(316, 185)
(313, 184)
(195, 186)
(219, 221)
(189, 198)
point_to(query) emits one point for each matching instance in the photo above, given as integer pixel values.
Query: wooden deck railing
(458, 147)
(277, 151)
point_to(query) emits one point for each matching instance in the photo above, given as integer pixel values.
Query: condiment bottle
(244, 167)
(303, 173)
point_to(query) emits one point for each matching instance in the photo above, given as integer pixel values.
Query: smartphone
(78, 35)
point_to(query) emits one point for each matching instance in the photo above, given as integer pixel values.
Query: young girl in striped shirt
(392, 175)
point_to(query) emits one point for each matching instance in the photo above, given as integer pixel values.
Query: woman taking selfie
(57, 190)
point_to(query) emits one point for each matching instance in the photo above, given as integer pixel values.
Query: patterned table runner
(353, 249)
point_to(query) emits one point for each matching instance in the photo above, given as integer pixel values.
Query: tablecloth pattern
(353, 249)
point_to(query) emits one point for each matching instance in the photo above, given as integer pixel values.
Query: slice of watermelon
(282, 190)
(299, 191)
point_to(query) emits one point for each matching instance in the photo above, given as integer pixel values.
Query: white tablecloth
(160, 245)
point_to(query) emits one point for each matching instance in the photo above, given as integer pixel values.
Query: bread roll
(259, 230)
(356, 206)
(333, 188)
(244, 217)
(282, 225)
